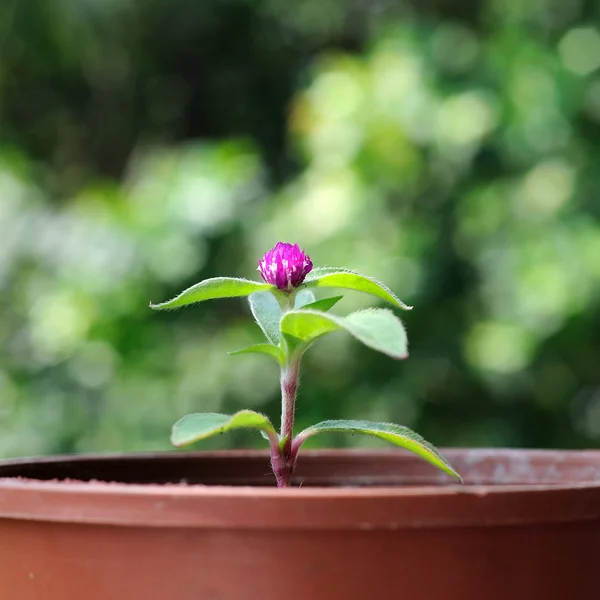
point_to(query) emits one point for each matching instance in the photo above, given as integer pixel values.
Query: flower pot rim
(435, 504)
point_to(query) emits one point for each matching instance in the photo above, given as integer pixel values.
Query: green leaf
(303, 297)
(344, 278)
(324, 304)
(211, 289)
(267, 313)
(275, 351)
(191, 428)
(377, 328)
(389, 432)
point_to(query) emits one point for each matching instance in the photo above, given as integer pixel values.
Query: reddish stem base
(283, 467)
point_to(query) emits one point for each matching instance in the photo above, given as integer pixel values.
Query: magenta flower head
(285, 266)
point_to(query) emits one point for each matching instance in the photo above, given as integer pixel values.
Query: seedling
(292, 320)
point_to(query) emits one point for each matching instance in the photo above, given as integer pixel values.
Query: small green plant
(292, 320)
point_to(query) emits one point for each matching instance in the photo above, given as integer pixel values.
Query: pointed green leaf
(377, 328)
(344, 278)
(389, 432)
(324, 304)
(211, 289)
(199, 426)
(304, 297)
(275, 351)
(267, 313)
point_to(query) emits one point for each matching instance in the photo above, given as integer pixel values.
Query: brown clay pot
(363, 525)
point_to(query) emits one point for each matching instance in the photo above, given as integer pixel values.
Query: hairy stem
(283, 464)
(289, 388)
(280, 468)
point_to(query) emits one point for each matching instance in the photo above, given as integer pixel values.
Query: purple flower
(285, 266)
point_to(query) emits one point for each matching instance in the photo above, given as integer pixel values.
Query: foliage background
(447, 147)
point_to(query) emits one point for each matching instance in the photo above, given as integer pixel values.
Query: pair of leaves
(377, 328)
(231, 287)
(192, 428)
(267, 313)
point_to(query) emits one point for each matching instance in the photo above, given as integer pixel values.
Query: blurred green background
(448, 147)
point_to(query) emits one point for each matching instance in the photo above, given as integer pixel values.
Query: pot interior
(343, 468)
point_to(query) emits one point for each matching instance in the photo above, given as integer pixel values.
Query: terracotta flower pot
(363, 525)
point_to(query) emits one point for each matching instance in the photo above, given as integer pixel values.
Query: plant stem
(283, 464)
(289, 387)
(280, 468)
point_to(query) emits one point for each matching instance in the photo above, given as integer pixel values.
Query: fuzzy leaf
(377, 328)
(304, 297)
(199, 426)
(211, 289)
(324, 304)
(275, 351)
(344, 278)
(267, 313)
(389, 432)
